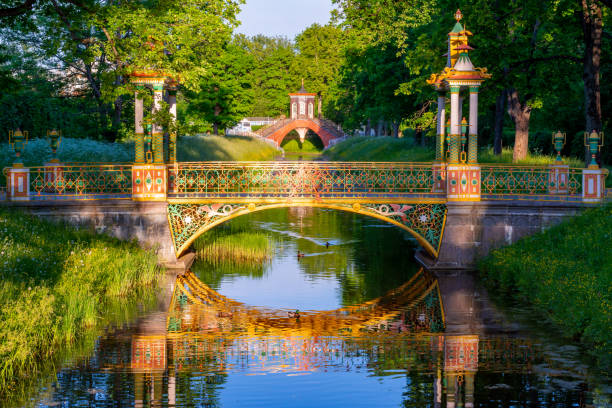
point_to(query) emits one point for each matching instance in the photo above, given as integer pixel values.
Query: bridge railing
(81, 181)
(300, 180)
(531, 182)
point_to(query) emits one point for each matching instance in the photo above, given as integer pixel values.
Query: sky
(282, 17)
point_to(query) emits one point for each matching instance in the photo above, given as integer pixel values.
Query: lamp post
(54, 138)
(18, 177)
(558, 140)
(18, 141)
(594, 142)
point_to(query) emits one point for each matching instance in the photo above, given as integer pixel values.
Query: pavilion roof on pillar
(459, 70)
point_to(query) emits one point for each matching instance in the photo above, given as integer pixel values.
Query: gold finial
(458, 15)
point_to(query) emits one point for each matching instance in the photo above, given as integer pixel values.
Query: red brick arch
(280, 134)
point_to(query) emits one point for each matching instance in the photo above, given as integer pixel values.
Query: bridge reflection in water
(205, 335)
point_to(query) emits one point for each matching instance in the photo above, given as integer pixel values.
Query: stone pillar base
(558, 180)
(18, 188)
(439, 177)
(593, 185)
(149, 182)
(462, 182)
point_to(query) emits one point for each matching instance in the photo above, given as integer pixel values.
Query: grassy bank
(566, 273)
(231, 250)
(386, 149)
(57, 286)
(233, 242)
(224, 148)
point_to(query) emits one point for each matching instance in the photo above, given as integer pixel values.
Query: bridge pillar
(593, 185)
(463, 182)
(149, 182)
(18, 188)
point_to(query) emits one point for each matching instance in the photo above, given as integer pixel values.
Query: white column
(138, 114)
(455, 113)
(441, 127)
(473, 112)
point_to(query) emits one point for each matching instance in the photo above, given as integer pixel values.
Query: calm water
(374, 330)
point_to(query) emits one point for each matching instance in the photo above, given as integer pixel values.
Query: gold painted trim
(422, 241)
(307, 201)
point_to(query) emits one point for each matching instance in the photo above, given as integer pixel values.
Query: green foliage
(224, 95)
(232, 148)
(56, 285)
(565, 273)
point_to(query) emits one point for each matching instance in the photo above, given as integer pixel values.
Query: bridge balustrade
(300, 180)
(81, 181)
(506, 182)
(307, 181)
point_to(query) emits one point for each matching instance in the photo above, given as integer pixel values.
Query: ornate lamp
(54, 138)
(558, 141)
(18, 141)
(464, 126)
(594, 142)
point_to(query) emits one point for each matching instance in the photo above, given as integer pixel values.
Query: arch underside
(425, 222)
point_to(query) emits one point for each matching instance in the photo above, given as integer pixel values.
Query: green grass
(231, 250)
(57, 286)
(312, 143)
(487, 156)
(566, 273)
(224, 148)
(387, 149)
(233, 242)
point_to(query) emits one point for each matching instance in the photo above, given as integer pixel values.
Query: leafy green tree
(103, 42)
(272, 77)
(318, 59)
(224, 95)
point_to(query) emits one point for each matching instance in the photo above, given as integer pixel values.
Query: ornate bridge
(199, 196)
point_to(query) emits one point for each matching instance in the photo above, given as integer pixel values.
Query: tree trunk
(520, 112)
(217, 112)
(379, 127)
(395, 126)
(368, 129)
(592, 29)
(500, 106)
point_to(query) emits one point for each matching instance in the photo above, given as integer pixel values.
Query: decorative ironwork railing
(528, 182)
(300, 180)
(81, 181)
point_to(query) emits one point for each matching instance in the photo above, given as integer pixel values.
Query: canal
(337, 313)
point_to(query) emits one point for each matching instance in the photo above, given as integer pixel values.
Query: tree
(103, 42)
(224, 95)
(318, 59)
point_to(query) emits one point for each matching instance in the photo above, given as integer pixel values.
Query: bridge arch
(279, 134)
(425, 222)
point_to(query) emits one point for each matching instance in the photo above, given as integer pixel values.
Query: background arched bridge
(324, 128)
